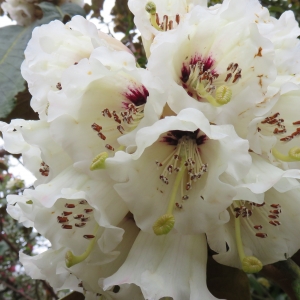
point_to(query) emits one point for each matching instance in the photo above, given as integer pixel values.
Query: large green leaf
(14, 40)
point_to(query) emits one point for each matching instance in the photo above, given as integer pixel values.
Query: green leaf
(12, 51)
(226, 282)
(3, 247)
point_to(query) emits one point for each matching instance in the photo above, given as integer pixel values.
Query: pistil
(72, 259)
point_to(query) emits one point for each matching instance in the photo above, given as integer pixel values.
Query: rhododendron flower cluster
(138, 169)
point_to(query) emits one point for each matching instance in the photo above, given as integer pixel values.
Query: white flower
(55, 47)
(272, 127)
(215, 61)
(178, 173)
(166, 266)
(265, 231)
(103, 98)
(41, 154)
(21, 11)
(251, 234)
(84, 276)
(153, 17)
(84, 221)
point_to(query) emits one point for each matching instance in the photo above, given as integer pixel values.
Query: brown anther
(62, 219)
(234, 67)
(296, 123)
(229, 66)
(170, 168)
(66, 213)
(237, 76)
(102, 136)
(275, 223)
(159, 164)
(80, 284)
(83, 201)
(165, 22)
(261, 235)
(287, 138)
(257, 227)
(88, 236)
(185, 197)
(275, 205)
(117, 119)
(106, 112)
(65, 226)
(229, 75)
(273, 216)
(278, 131)
(157, 18)
(96, 127)
(78, 216)
(275, 211)
(109, 147)
(188, 186)
(178, 205)
(58, 86)
(69, 205)
(85, 219)
(80, 225)
(88, 210)
(121, 129)
(258, 129)
(170, 25)
(177, 19)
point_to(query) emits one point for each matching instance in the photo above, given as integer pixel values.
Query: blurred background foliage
(275, 282)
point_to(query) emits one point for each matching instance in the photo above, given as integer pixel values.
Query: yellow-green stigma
(164, 224)
(72, 259)
(223, 94)
(151, 9)
(251, 264)
(99, 161)
(293, 155)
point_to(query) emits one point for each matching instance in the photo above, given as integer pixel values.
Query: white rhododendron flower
(251, 222)
(41, 154)
(101, 99)
(265, 231)
(21, 11)
(55, 47)
(179, 164)
(218, 63)
(166, 266)
(81, 225)
(154, 17)
(275, 134)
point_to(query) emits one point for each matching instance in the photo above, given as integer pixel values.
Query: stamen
(72, 259)
(99, 161)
